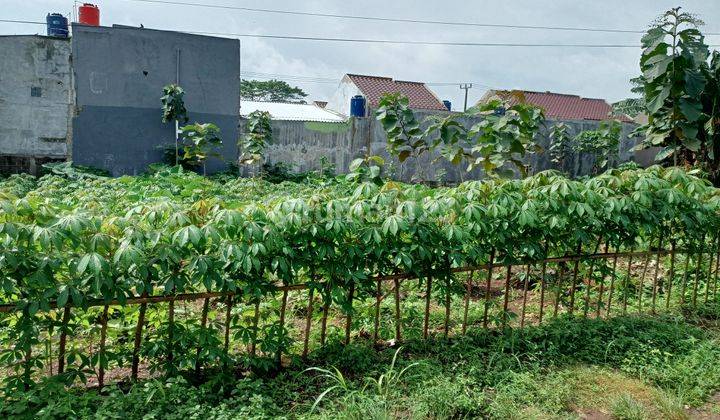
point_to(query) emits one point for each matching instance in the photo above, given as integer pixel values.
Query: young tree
(173, 109)
(258, 133)
(681, 82)
(200, 142)
(271, 90)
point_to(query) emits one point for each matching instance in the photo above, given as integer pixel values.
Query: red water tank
(89, 14)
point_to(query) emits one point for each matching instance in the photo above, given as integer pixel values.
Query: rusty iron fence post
(63, 339)
(468, 286)
(487, 288)
(525, 292)
(101, 354)
(428, 297)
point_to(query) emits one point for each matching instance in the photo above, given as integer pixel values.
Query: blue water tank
(447, 104)
(57, 25)
(357, 106)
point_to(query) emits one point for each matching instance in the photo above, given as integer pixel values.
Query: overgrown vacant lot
(172, 294)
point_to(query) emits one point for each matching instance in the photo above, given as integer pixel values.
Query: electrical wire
(396, 20)
(389, 41)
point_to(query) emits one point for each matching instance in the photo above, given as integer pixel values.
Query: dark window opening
(36, 91)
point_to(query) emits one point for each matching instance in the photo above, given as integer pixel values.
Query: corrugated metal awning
(291, 112)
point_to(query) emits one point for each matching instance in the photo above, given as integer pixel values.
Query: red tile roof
(562, 106)
(373, 87)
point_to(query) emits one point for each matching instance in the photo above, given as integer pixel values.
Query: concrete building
(119, 76)
(372, 88)
(36, 101)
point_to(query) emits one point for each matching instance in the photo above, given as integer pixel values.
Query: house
(372, 88)
(119, 74)
(286, 111)
(559, 106)
(36, 102)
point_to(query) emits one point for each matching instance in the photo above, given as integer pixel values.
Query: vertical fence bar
(101, 353)
(256, 322)
(398, 315)
(468, 286)
(228, 321)
(327, 299)
(709, 275)
(283, 309)
(525, 292)
(601, 291)
(641, 284)
(657, 272)
(697, 275)
(63, 340)
(308, 322)
(671, 276)
(612, 284)
(487, 288)
(203, 325)
(576, 269)
(171, 336)
(447, 309)
(558, 285)
(627, 279)
(543, 273)
(683, 287)
(378, 301)
(717, 269)
(348, 319)
(428, 297)
(138, 341)
(589, 278)
(507, 296)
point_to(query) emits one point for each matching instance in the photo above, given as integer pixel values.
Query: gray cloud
(600, 73)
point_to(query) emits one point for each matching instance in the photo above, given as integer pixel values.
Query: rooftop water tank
(57, 25)
(89, 14)
(447, 104)
(357, 106)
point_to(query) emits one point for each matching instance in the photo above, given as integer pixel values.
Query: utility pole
(466, 87)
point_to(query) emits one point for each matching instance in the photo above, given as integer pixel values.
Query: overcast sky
(596, 72)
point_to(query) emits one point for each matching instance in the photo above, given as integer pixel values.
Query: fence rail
(568, 281)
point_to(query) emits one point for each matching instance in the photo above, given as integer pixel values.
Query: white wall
(29, 125)
(340, 101)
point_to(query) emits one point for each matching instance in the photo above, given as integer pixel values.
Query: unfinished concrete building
(36, 102)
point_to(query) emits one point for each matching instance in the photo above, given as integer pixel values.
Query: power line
(326, 79)
(412, 42)
(397, 20)
(390, 41)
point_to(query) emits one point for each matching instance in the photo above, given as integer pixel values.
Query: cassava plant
(200, 141)
(258, 134)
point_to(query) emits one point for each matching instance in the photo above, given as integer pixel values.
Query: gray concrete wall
(119, 76)
(303, 144)
(35, 126)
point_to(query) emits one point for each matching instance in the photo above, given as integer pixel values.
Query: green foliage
(503, 137)
(76, 239)
(401, 126)
(258, 134)
(681, 91)
(200, 141)
(540, 372)
(561, 144)
(603, 144)
(173, 104)
(271, 90)
(368, 169)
